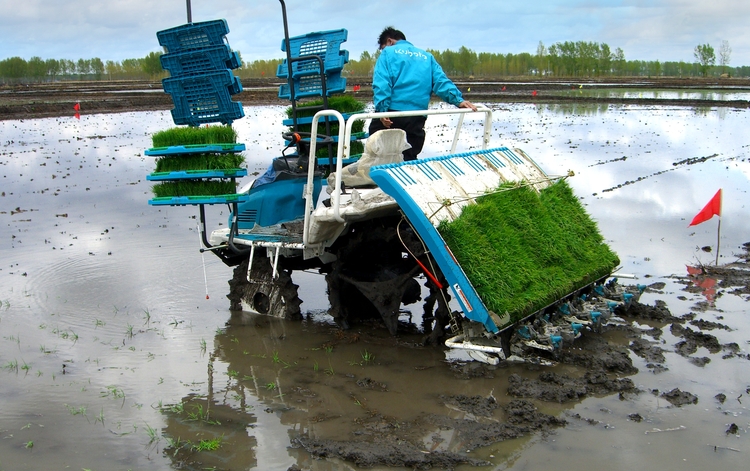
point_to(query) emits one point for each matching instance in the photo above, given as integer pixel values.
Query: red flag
(533, 93)
(77, 107)
(713, 207)
(503, 87)
(77, 115)
(357, 87)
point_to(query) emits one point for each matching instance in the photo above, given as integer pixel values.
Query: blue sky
(121, 29)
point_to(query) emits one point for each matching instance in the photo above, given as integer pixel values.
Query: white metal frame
(344, 148)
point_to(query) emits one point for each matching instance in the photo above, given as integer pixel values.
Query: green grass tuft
(194, 188)
(523, 251)
(199, 162)
(183, 136)
(340, 103)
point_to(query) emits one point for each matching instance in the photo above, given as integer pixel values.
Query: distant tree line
(581, 59)
(36, 69)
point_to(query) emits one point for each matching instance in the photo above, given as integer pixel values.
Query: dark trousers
(414, 128)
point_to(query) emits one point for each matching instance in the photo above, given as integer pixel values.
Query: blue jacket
(405, 77)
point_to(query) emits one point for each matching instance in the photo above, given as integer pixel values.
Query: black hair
(390, 33)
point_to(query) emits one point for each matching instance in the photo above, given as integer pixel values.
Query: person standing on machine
(404, 79)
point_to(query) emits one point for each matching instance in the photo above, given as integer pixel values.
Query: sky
(664, 30)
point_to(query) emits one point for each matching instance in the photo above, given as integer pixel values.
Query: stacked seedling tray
(198, 60)
(344, 104)
(306, 77)
(317, 61)
(198, 165)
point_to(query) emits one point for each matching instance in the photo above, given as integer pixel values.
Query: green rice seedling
(199, 414)
(146, 317)
(315, 366)
(99, 323)
(209, 444)
(12, 365)
(367, 357)
(100, 417)
(275, 357)
(114, 391)
(522, 250)
(271, 386)
(199, 162)
(129, 331)
(345, 104)
(341, 103)
(183, 136)
(194, 188)
(233, 374)
(196, 414)
(329, 371)
(175, 444)
(153, 435)
(76, 411)
(355, 148)
(29, 444)
(26, 367)
(203, 345)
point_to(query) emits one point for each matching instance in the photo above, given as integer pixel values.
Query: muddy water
(118, 350)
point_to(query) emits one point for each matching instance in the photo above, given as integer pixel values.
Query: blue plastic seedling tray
(195, 200)
(311, 86)
(195, 149)
(196, 174)
(202, 99)
(200, 61)
(194, 36)
(326, 44)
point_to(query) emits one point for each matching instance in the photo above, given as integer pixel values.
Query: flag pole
(718, 241)
(718, 228)
(189, 12)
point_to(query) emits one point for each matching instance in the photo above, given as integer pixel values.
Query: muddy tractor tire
(259, 291)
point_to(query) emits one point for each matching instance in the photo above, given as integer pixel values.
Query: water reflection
(663, 94)
(270, 382)
(702, 283)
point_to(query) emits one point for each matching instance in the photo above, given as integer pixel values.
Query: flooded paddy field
(118, 350)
